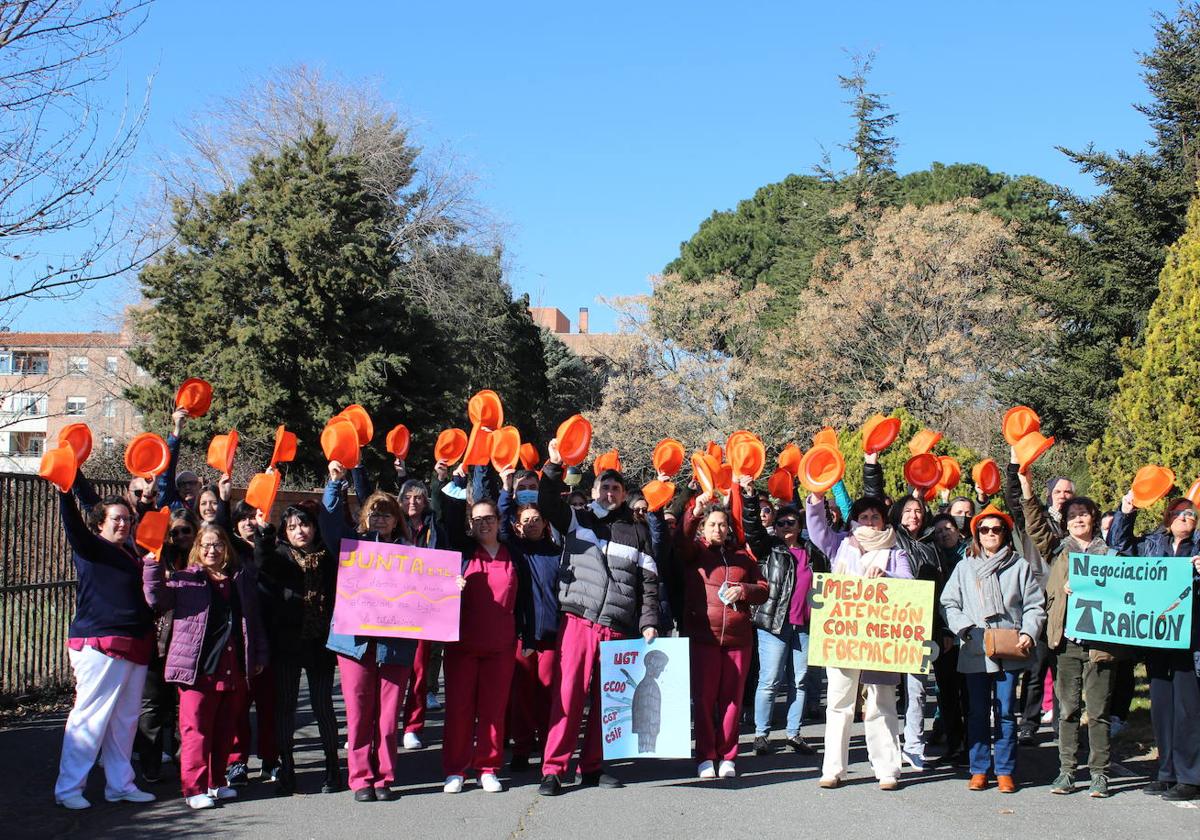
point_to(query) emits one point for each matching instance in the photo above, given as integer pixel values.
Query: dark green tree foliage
(575, 386)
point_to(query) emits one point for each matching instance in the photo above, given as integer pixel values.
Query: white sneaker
(411, 741)
(453, 784)
(728, 770)
(223, 793)
(74, 802)
(1048, 717)
(201, 801)
(431, 701)
(490, 783)
(131, 795)
(705, 770)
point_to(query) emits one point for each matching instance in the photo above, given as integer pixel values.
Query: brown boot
(978, 782)
(1005, 784)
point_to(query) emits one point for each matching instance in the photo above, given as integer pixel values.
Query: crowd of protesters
(172, 649)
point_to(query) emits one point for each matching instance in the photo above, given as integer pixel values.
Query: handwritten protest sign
(876, 624)
(387, 589)
(645, 699)
(1143, 601)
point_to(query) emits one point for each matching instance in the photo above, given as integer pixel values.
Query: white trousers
(108, 700)
(880, 721)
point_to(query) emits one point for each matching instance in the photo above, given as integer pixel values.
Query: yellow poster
(874, 624)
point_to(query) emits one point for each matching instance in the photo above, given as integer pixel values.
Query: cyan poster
(646, 698)
(1139, 601)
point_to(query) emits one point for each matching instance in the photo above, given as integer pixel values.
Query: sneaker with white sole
(431, 701)
(916, 762)
(706, 770)
(200, 801)
(75, 802)
(411, 741)
(223, 793)
(454, 784)
(131, 795)
(490, 783)
(727, 770)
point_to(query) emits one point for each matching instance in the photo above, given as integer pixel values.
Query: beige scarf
(870, 539)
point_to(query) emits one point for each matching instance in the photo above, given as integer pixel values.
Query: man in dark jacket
(608, 590)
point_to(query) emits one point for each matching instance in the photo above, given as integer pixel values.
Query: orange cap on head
(1019, 421)
(987, 475)
(821, 467)
(658, 493)
(879, 433)
(58, 466)
(450, 446)
(923, 470)
(485, 409)
(923, 441)
(1031, 447)
(574, 440)
(80, 438)
(1151, 483)
(147, 456)
(780, 485)
(194, 396)
(339, 442)
(789, 459)
(668, 456)
(506, 448)
(990, 510)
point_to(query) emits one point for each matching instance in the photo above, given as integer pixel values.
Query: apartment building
(50, 380)
(583, 342)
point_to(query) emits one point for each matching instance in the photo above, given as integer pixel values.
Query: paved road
(776, 796)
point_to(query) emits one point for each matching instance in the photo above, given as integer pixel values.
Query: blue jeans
(999, 747)
(773, 653)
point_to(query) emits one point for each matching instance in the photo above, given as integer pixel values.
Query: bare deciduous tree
(63, 151)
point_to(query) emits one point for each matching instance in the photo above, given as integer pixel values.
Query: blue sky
(603, 135)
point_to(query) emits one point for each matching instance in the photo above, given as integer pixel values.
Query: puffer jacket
(1058, 550)
(777, 565)
(609, 574)
(707, 619)
(188, 594)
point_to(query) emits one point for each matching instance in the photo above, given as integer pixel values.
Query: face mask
(961, 521)
(527, 497)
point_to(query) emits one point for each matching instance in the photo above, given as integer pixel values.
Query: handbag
(1002, 643)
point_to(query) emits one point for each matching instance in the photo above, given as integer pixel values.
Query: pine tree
(1155, 415)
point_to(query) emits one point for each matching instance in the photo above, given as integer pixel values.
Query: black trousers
(952, 698)
(1033, 686)
(317, 664)
(1123, 688)
(156, 723)
(1175, 715)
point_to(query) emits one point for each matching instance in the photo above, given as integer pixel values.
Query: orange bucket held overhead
(506, 448)
(668, 456)
(147, 456)
(479, 447)
(358, 417)
(879, 433)
(1193, 493)
(990, 510)
(450, 446)
(725, 478)
(780, 485)
(827, 436)
(748, 456)
(339, 442)
(529, 456)
(397, 441)
(923, 470)
(152, 530)
(951, 472)
(658, 493)
(80, 438)
(261, 491)
(923, 441)
(58, 467)
(987, 475)
(485, 409)
(734, 439)
(1031, 447)
(574, 440)
(822, 467)
(705, 470)
(789, 459)
(610, 460)
(285, 447)
(1019, 421)
(1150, 484)
(714, 450)
(194, 396)
(221, 450)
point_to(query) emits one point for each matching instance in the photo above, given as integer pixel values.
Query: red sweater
(706, 619)
(487, 620)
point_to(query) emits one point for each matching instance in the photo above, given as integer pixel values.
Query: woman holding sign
(995, 606)
(1174, 673)
(1086, 671)
(870, 550)
(721, 583)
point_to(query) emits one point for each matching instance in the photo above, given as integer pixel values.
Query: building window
(76, 406)
(77, 365)
(23, 362)
(110, 407)
(26, 405)
(110, 365)
(26, 444)
(109, 445)
(5, 363)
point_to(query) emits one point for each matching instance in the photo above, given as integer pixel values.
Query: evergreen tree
(1155, 415)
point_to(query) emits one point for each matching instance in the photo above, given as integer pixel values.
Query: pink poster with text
(388, 589)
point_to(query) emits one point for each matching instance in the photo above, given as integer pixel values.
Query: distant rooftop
(62, 339)
(583, 342)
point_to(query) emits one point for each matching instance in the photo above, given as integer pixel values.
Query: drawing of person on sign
(647, 701)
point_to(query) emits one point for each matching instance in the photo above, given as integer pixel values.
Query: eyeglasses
(118, 519)
(484, 520)
(181, 532)
(1186, 513)
(990, 529)
(786, 523)
(212, 547)
(383, 514)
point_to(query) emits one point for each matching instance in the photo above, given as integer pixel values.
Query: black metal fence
(37, 584)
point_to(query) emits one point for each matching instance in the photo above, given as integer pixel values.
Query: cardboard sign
(1145, 601)
(646, 698)
(873, 624)
(388, 589)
